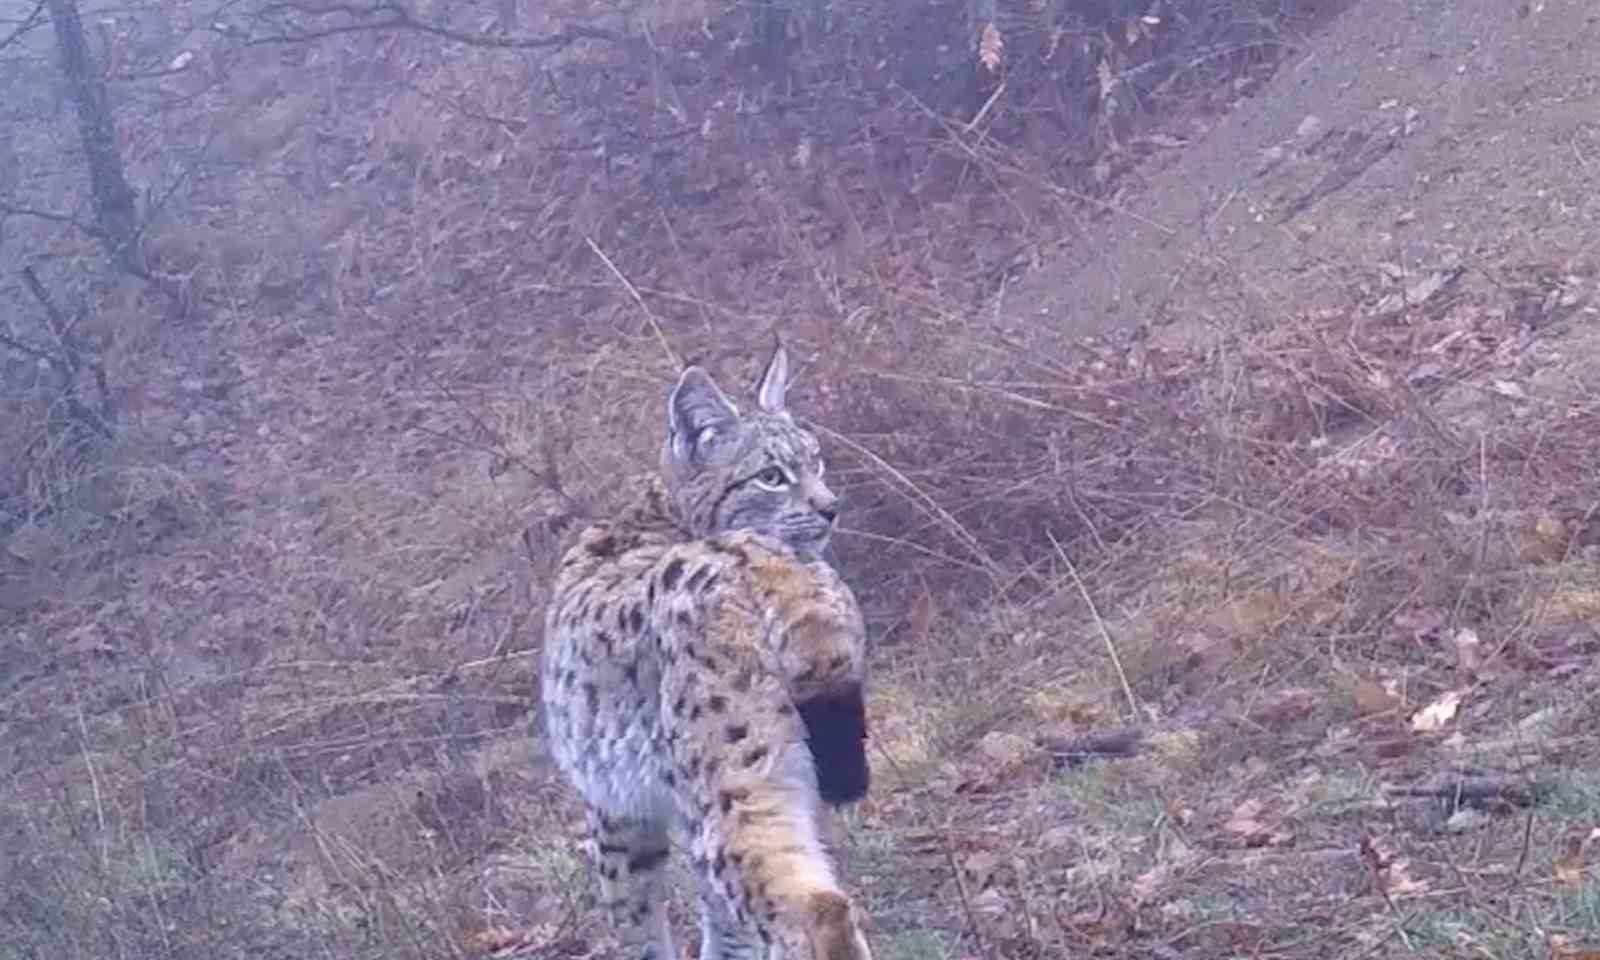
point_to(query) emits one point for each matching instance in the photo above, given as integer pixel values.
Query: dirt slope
(300, 723)
(1416, 132)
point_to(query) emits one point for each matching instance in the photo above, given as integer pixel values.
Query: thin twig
(50, 215)
(1527, 842)
(1050, 185)
(394, 16)
(983, 111)
(1105, 634)
(26, 24)
(57, 323)
(961, 892)
(940, 514)
(1375, 864)
(94, 787)
(70, 361)
(633, 292)
(8, 341)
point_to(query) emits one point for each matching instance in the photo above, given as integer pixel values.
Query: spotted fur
(704, 666)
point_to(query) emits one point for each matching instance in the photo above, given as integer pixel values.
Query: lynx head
(757, 471)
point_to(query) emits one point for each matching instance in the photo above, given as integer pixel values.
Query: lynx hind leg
(631, 853)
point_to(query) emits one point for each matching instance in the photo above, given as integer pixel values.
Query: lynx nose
(827, 506)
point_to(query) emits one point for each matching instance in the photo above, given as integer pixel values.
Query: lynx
(704, 666)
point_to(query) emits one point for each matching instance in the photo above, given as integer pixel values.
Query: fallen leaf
(1370, 697)
(1005, 749)
(1390, 871)
(980, 868)
(1417, 293)
(990, 47)
(1466, 819)
(1562, 948)
(1396, 746)
(1571, 866)
(1421, 622)
(1438, 713)
(1396, 879)
(1244, 820)
(1146, 885)
(1246, 823)
(1469, 650)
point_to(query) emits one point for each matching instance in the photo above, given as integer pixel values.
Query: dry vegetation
(266, 647)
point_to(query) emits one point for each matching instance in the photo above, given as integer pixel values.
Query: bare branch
(27, 350)
(58, 323)
(25, 25)
(70, 361)
(12, 209)
(394, 16)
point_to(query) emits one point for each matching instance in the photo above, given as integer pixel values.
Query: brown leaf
(1438, 713)
(1469, 650)
(1390, 871)
(1397, 880)
(1399, 745)
(1248, 824)
(1571, 865)
(1421, 622)
(1562, 948)
(979, 869)
(1370, 698)
(1006, 750)
(1146, 885)
(990, 47)
(1245, 820)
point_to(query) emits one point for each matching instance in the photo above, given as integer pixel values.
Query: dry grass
(268, 690)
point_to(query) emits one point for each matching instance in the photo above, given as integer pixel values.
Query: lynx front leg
(631, 854)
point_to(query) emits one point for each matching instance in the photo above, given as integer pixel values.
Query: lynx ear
(774, 381)
(694, 411)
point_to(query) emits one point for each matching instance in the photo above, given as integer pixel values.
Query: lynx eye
(772, 478)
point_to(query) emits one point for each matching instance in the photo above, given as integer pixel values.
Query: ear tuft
(774, 381)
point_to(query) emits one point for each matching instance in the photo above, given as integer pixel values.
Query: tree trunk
(772, 29)
(113, 199)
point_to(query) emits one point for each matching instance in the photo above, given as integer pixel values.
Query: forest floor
(1222, 465)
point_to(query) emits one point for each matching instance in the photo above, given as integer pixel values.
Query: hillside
(1213, 392)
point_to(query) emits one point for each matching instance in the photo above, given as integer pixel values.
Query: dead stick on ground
(1527, 842)
(1105, 634)
(961, 891)
(984, 110)
(633, 292)
(94, 787)
(1376, 866)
